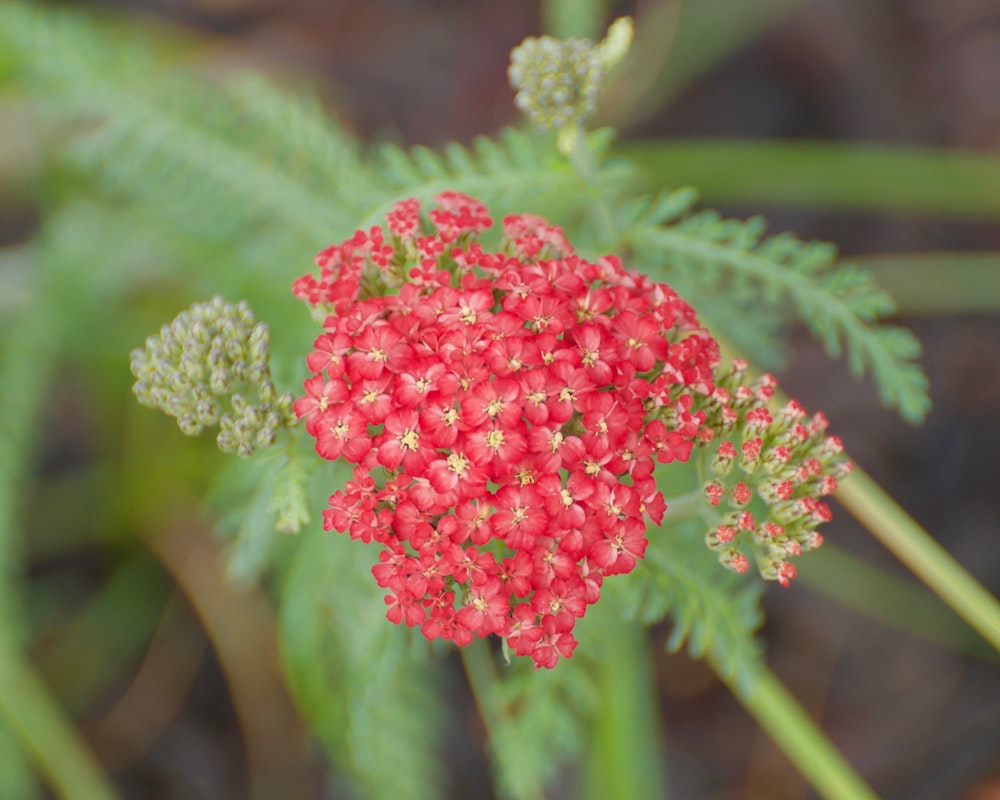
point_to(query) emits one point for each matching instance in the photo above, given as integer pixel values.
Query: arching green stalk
(806, 746)
(930, 562)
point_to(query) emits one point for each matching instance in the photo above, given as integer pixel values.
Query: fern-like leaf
(518, 172)
(198, 152)
(369, 694)
(715, 612)
(839, 303)
(547, 724)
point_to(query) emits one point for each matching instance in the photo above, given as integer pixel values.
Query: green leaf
(210, 159)
(550, 714)
(715, 612)
(939, 283)
(368, 692)
(518, 172)
(839, 303)
(850, 176)
(288, 499)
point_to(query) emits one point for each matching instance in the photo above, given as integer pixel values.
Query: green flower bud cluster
(209, 367)
(557, 80)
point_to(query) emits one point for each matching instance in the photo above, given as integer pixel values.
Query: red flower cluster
(505, 411)
(789, 462)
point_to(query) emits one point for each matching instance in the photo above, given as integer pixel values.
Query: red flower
(486, 610)
(341, 431)
(376, 349)
(503, 427)
(403, 605)
(400, 443)
(321, 395)
(618, 551)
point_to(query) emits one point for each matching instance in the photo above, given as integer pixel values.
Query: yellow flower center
(458, 464)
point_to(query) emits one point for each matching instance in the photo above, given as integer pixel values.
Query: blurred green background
(871, 123)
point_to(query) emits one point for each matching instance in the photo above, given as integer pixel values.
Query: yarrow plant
(514, 441)
(506, 410)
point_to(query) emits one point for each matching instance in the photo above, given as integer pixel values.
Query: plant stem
(507, 749)
(626, 755)
(930, 562)
(567, 18)
(26, 706)
(806, 746)
(685, 506)
(43, 731)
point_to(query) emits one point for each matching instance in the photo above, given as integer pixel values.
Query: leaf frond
(519, 171)
(211, 157)
(839, 303)
(370, 694)
(716, 613)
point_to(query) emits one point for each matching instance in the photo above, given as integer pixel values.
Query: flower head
(210, 366)
(505, 411)
(782, 461)
(556, 80)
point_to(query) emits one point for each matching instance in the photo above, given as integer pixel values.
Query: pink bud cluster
(785, 460)
(505, 411)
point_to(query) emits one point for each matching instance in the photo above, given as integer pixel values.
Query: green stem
(686, 506)
(572, 143)
(626, 745)
(26, 706)
(568, 18)
(41, 727)
(930, 562)
(806, 746)
(507, 749)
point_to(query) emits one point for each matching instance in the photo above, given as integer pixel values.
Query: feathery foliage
(715, 613)
(519, 170)
(839, 303)
(369, 693)
(547, 724)
(182, 145)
